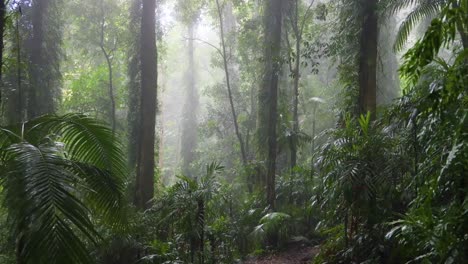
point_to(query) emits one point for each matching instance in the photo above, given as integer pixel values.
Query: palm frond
(56, 172)
(103, 189)
(85, 140)
(394, 6)
(51, 217)
(424, 9)
(8, 137)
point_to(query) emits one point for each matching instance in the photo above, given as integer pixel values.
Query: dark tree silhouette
(367, 101)
(146, 140)
(268, 94)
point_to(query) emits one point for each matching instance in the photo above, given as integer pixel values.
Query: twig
(207, 43)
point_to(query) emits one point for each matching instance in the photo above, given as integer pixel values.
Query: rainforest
(233, 131)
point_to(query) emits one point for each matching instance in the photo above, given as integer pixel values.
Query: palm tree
(57, 172)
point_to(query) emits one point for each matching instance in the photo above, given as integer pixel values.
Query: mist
(233, 131)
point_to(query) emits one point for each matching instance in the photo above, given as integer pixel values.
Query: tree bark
(18, 111)
(387, 66)
(148, 58)
(297, 76)
(40, 94)
(268, 95)
(368, 60)
(133, 72)
(228, 85)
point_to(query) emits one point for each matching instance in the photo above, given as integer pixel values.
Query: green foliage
(57, 171)
(272, 224)
(369, 191)
(431, 230)
(87, 93)
(411, 188)
(334, 243)
(359, 174)
(441, 32)
(181, 216)
(422, 9)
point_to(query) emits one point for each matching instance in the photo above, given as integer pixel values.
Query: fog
(233, 131)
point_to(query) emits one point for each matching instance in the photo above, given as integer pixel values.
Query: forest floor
(292, 255)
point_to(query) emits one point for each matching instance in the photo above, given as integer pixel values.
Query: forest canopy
(233, 131)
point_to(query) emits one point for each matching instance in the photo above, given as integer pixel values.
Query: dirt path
(293, 255)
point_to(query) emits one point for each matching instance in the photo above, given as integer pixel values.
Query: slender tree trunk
(228, 85)
(189, 125)
(298, 30)
(107, 56)
(297, 76)
(294, 137)
(314, 121)
(161, 136)
(368, 60)
(148, 58)
(2, 32)
(201, 231)
(18, 111)
(268, 95)
(111, 88)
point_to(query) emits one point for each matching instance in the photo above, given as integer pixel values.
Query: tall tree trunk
(189, 125)
(297, 76)
(368, 60)
(228, 85)
(2, 32)
(18, 110)
(314, 124)
(295, 130)
(298, 30)
(387, 67)
(41, 100)
(148, 104)
(134, 110)
(268, 95)
(368, 76)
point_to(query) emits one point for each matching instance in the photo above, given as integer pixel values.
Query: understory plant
(400, 192)
(59, 176)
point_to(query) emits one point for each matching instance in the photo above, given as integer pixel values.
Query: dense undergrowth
(390, 189)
